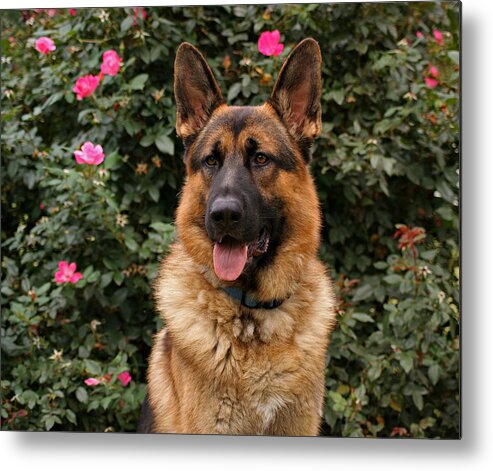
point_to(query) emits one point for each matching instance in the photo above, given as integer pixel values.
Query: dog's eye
(211, 161)
(261, 159)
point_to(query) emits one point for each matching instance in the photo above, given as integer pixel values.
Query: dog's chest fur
(243, 356)
(239, 369)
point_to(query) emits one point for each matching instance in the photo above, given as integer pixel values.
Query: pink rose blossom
(49, 11)
(139, 12)
(66, 273)
(42, 206)
(89, 154)
(419, 34)
(431, 82)
(92, 381)
(124, 378)
(85, 86)
(268, 43)
(438, 37)
(73, 11)
(111, 63)
(44, 45)
(433, 71)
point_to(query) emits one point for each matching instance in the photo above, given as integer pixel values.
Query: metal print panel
(232, 219)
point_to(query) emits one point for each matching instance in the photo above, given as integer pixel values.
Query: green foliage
(388, 155)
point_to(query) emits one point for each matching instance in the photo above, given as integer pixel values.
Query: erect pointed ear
(296, 94)
(197, 93)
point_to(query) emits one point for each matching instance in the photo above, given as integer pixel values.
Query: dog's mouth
(231, 255)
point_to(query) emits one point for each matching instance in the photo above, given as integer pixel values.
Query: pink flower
(139, 12)
(111, 63)
(42, 206)
(433, 71)
(85, 86)
(92, 381)
(438, 37)
(66, 273)
(431, 82)
(49, 11)
(124, 378)
(419, 34)
(268, 43)
(73, 11)
(44, 45)
(90, 154)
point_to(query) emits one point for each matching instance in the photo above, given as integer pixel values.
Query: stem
(95, 41)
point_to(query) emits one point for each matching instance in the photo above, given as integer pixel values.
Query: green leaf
(106, 402)
(43, 289)
(71, 417)
(434, 373)
(92, 367)
(454, 56)
(446, 213)
(427, 422)
(165, 144)
(127, 23)
(446, 192)
(374, 372)
(363, 292)
(147, 140)
(154, 193)
(238, 37)
(392, 279)
(106, 280)
(118, 278)
(119, 296)
(356, 126)
(138, 82)
(83, 352)
(337, 96)
(406, 362)
(380, 265)
(161, 226)
(94, 276)
(49, 422)
(81, 395)
(233, 91)
(30, 398)
(112, 160)
(359, 316)
(418, 400)
(428, 254)
(131, 244)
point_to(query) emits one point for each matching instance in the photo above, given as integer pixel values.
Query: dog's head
(248, 193)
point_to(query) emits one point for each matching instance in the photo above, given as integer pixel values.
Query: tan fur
(232, 370)
(221, 368)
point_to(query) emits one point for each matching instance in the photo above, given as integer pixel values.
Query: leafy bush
(386, 164)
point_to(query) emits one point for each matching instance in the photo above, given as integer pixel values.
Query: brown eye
(261, 159)
(211, 161)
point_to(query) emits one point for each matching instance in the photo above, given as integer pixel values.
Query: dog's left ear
(296, 94)
(197, 93)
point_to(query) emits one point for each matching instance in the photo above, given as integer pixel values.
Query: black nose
(226, 212)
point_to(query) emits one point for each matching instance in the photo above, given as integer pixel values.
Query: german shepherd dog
(247, 305)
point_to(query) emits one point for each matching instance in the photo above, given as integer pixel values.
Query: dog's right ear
(197, 93)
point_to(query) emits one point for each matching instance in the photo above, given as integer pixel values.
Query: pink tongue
(229, 259)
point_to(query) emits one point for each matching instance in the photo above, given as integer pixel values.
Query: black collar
(250, 302)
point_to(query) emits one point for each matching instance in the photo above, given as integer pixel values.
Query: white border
(77, 451)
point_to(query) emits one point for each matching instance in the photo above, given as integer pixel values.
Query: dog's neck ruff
(249, 301)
